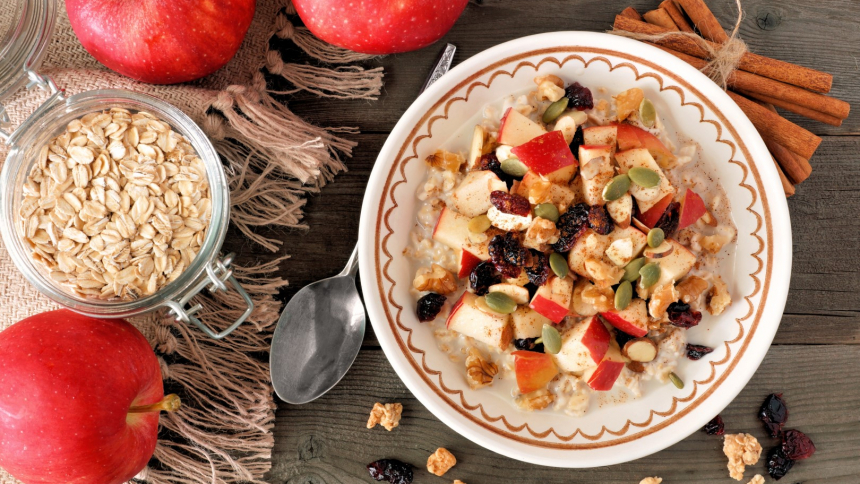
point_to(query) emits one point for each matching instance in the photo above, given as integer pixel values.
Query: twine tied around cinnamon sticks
(724, 57)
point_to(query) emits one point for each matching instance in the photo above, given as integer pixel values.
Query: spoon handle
(351, 264)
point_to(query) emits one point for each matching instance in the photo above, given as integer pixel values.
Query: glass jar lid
(25, 30)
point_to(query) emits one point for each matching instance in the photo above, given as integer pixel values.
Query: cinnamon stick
(787, 187)
(677, 15)
(704, 20)
(763, 66)
(662, 18)
(796, 168)
(774, 127)
(631, 12)
(805, 112)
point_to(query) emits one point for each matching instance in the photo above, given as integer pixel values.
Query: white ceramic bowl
(757, 271)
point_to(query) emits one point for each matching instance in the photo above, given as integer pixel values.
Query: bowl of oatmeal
(575, 249)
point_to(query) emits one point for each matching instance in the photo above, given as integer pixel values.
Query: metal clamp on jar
(25, 41)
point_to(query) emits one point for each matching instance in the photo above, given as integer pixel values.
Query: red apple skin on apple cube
(546, 153)
(633, 320)
(534, 370)
(626, 137)
(692, 209)
(602, 377)
(516, 129)
(653, 214)
(552, 300)
(68, 382)
(466, 263)
(596, 339)
(630, 137)
(583, 345)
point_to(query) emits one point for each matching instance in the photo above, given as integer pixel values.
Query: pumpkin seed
(631, 270)
(656, 237)
(547, 211)
(650, 274)
(644, 177)
(500, 302)
(554, 110)
(479, 224)
(623, 295)
(514, 167)
(551, 339)
(616, 188)
(647, 113)
(676, 380)
(558, 265)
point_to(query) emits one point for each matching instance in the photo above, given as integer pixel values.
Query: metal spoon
(321, 329)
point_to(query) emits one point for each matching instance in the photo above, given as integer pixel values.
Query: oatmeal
(568, 248)
(117, 206)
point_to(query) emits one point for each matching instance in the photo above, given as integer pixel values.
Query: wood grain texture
(326, 441)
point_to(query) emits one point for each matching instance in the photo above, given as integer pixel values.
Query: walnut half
(691, 288)
(435, 279)
(536, 400)
(440, 461)
(718, 297)
(479, 371)
(387, 415)
(661, 298)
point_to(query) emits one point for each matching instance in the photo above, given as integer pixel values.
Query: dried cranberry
(579, 96)
(577, 141)
(482, 277)
(773, 414)
(538, 271)
(570, 226)
(778, 464)
(599, 221)
(508, 255)
(391, 470)
(696, 352)
(429, 306)
(715, 426)
(668, 222)
(796, 445)
(528, 344)
(682, 316)
(622, 338)
(510, 203)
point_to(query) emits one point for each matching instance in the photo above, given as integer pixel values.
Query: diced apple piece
(630, 137)
(626, 137)
(519, 294)
(633, 320)
(676, 264)
(621, 210)
(472, 197)
(492, 329)
(520, 280)
(596, 172)
(452, 229)
(546, 154)
(516, 129)
(650, 217)
(620, 252)
(642, 350)
(465, 263)
(692, 209)
(600, 135)
(562, 175)
(553, 298)
(477, 148)
(645, 197)
(602, 377)
(640, 240)
(590, 245)
(533, 370)
(583, 346)
(567, 126)
(578, 306)
(527, 323)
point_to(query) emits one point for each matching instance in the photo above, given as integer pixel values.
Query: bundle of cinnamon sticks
(759, 85)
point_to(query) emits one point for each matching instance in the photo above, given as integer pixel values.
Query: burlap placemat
(273, 159)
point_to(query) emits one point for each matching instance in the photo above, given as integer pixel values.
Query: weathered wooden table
(815, 358)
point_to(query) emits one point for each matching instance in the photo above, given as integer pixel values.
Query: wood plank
(818, 34)
(824, 300)
(326, 441)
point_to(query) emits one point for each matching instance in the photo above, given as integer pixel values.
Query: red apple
(534, 370)
(79, 401)
(452, 229)
(516, 129)
(630, 137)
(653, 214)
(626, 136)
(602, 377)
(465, 263)
(545, 154)
(583, 346)
(379, 26)
(633, 320)
(491, 328)
(161, 41)
(552, 300)
(692, 209)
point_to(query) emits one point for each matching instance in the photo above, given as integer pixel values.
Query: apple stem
(170, 403)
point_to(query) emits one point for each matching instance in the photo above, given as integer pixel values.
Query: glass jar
(50, 120)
